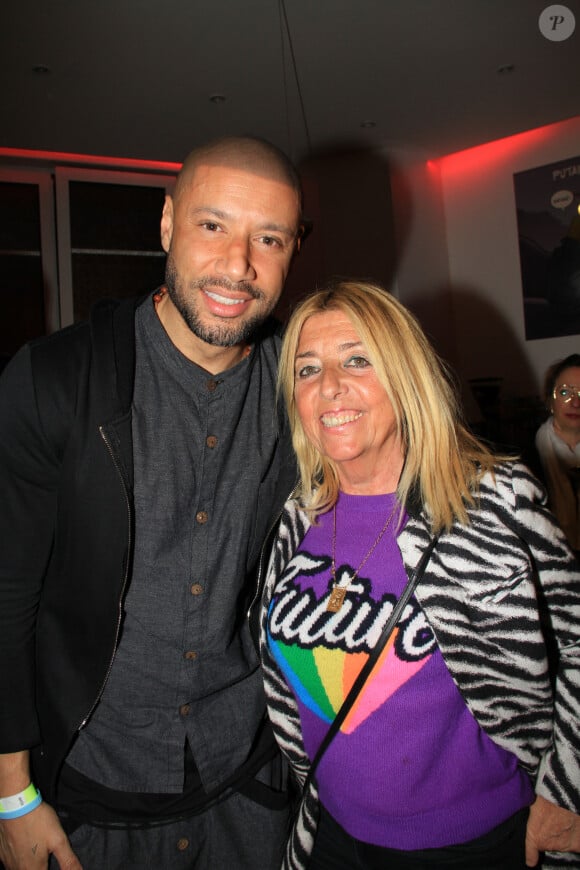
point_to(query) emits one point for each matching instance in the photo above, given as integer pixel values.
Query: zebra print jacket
(492, 591)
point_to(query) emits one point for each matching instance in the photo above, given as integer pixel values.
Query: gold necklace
(339, 590)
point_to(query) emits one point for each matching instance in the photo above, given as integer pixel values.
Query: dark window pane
(19, 217)
(118, 277)
(21, 301)
(115, 216)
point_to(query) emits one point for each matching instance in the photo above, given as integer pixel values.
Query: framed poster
(548, 216)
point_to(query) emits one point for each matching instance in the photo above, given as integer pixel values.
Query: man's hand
(550, 829)
(27, 842)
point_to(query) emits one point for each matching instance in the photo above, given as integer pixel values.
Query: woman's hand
(27, 842)
(550, 829)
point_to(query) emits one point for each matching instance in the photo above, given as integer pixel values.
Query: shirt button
(212, 385)
(201, 517)
(190, 655)
(182, 844)
(211, 441)
(185, 710)
(196, 589)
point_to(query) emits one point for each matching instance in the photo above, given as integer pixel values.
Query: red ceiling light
(63, 157)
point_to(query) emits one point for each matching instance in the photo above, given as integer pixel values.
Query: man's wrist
(15, 774)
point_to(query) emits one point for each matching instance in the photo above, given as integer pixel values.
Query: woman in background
(558, 445)
(456, 733)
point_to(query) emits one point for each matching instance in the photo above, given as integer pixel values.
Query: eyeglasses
(566, 393)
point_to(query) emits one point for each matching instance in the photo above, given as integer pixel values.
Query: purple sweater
(411, 768)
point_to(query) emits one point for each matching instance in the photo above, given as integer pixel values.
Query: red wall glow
(492, 154)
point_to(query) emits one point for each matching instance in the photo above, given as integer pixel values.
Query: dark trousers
(235, 834)
(503, 848)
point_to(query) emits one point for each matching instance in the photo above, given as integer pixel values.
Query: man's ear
(167, 224)
(304, 231)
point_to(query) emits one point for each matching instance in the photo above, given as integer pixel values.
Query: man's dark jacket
(66, 521)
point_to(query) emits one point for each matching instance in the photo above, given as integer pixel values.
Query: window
(28, 271)
(70, 236)
(108, 236)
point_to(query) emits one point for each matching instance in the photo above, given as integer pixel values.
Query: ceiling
(136, 78)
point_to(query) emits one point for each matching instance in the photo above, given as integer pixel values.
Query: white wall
(484, 266)
(422, 272)
(458, 262)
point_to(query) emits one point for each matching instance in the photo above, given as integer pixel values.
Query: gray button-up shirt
(207, 461)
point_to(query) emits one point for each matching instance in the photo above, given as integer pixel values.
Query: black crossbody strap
(374, 656)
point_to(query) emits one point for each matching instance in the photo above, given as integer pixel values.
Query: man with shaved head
(143, 459)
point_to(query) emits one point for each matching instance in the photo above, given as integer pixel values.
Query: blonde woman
(456, 733)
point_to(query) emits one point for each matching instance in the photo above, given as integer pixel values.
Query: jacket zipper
(124, 585)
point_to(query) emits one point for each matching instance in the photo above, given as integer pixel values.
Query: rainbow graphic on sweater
(321, 678)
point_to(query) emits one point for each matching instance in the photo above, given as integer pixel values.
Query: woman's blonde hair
(443, 460)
